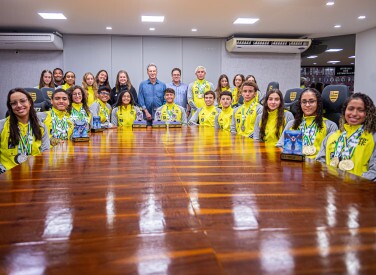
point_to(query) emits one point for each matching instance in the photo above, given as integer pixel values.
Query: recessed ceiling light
(333, 50)
(312, 56)
(352, 63)
(334, 61)
(330, 3)
(52, 15)
(246, 20)
(337, 26)
(314, 63)
(353, 56)
(108, 28)
(194, 30)
(151, 29)
(362, 17)
(157, 19)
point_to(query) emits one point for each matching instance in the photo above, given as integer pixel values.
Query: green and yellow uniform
(360, 150)
(124, 115)
(79, 113)
(58, 124)
(101, 109)
(235, 92)
(196, 91)
(244, 117)
(90, 95)
(205, 116)
(172, 112)
(65, 86)
(223, 119)
(28, 145)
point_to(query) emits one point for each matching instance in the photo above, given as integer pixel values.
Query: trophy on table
(80, 132)
(140, 122)
(159, 121)
(97, 127)
(173, 123)
(293, 146)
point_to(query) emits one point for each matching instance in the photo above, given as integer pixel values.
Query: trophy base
(97, 130)
(174, 125)
(139, 125)
(159, 125)
(78, 139)
(292, 157)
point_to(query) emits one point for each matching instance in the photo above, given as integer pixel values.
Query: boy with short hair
(206, 116)
(171, 111)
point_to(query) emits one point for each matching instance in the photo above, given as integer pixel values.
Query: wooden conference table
(183, 201)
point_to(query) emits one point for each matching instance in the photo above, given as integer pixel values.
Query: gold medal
(346, 165)
(309, 150)
(334, 162)
(20, 158)
(243, 128)
(199, 96)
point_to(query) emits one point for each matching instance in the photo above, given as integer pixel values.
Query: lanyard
(59, 126)
(345, 147)
(24, 147)
(246, 114)
(201, 88)
(309, 132)
(78, 115)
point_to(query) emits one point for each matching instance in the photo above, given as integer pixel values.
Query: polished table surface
(182, 201)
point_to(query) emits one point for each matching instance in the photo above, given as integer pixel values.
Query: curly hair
(319, 111)
(120, 99)
(370, 109)
(14, 135)
(280, 118)
(84, 99)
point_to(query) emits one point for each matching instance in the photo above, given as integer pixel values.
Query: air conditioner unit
(31, 41)
(267, 45)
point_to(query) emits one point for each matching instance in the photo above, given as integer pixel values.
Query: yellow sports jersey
(206, 116)
(125, 115)
(234, 95)
(362, 153)
(243, 122)
(60, 115)
(9, 154)
(104, 112)
(90, 95)
(65, 86)
(170, 112)
(198, 90)
(79, 113)
(271, 124)
(224, 119)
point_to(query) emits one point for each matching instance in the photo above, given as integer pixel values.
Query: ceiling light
(108, 28)
(52, 15)
(352, 63)
(330, 3)
(334, 61)
(157, 19)
(333, 50)
(194, 30)
(353, 56)
(246, 20)
(312, 56)
(151, 29)
(337, 26)
(314, 63)
(362, 17)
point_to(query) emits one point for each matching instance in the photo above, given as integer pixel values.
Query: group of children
(350, 148)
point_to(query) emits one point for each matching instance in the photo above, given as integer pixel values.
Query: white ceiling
(278, 18)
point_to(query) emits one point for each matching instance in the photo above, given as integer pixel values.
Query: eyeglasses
(104, 93)
(79, 94)
(21, 101)
(308, 102)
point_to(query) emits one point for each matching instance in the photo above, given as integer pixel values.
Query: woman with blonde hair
(90, 87)
(123, 83)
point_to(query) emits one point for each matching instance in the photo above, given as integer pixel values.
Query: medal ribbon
(309, 132)
(246, 114)
(24, 147)
(345, 147)
(78, 115)
(170, 113)
(59, 126)
(201, 88)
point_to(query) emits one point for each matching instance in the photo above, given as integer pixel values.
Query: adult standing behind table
(197, 89)
(58, 77)
(180, 88)
(123, 83)
(151, 93)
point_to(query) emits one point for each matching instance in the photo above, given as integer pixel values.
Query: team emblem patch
(292, 96)
(33, 96)
(333, 96)
(49, 94)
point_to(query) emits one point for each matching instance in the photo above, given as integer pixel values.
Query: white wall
(365, 69)
(83, 53)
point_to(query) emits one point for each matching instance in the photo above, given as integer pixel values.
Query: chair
(291, 99)
(47, 93)
(334, 96)
(40, 103)
(272, 85)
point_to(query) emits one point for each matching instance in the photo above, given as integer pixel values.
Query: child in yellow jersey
(244, 117)
(224, 118)
(125, 111)
(352, 148)
(90, 87)
(197, 89)
(170, 111)
(270, 124)
(310, 122)
(223, 85)
(77, 108)
(57, 121)
(206, 116)
(21, 134)
(69, 79)
(237, 81)
(101, 108)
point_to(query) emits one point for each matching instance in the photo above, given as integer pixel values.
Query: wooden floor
(183, 201)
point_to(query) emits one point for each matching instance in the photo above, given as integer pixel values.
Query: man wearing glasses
(151, 93)
(180, 89)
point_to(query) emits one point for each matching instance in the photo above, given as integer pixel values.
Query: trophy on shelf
(293, 146)
(96, 124)
(80, 132)
(159, 121)
(140, 121)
